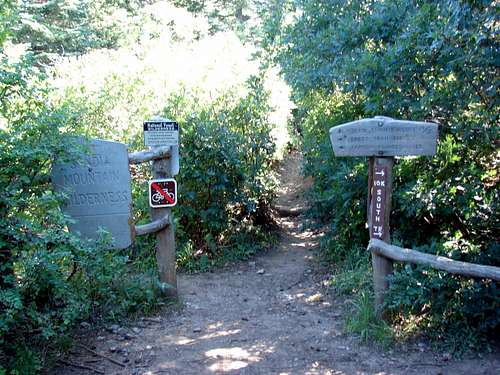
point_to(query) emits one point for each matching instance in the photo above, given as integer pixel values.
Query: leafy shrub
(225, 182)
(49, 279)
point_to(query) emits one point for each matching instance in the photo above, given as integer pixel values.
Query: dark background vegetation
(415, 60)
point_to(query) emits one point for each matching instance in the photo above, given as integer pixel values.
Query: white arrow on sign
(381, 173)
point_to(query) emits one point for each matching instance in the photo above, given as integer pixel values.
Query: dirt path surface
(271, 315)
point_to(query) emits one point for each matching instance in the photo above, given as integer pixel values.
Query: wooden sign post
(160, 132)
(382, 138)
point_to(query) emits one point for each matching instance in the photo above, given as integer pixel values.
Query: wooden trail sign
(382, 138)
(161, 132)
(378, 204)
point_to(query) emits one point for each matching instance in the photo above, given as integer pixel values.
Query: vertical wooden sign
(165, 239)
(377, 209)
(161, 132)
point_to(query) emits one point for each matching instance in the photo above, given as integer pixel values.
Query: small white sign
(159, 133)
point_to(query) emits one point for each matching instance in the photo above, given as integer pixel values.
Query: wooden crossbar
(153, 227)
(148, 155)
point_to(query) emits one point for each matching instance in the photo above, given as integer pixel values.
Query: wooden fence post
(165, 238)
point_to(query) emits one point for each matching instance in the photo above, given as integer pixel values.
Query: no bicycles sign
(163, 193)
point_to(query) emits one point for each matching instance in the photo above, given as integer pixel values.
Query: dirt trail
(271, 315)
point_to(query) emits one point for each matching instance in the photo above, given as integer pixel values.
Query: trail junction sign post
(382, 138)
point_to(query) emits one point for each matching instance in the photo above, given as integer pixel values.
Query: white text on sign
(378, 202)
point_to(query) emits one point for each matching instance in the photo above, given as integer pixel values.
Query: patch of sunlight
(184, 341)
(220, 334)
(215, 326)
(314, 298)
(296, 296)
(230, 359)
(301, 244)
(231, 353)
(282, 106)
(14, 52)
(227, 365)
(316, 370)
(306, 234)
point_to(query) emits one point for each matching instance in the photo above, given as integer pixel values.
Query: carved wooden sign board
(99, 192)
(383, 136)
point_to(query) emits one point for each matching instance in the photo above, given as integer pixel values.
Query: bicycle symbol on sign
(158, 197)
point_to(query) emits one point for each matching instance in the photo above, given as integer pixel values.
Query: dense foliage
(223, 108)
(417, 60)
(56, 81)
(49, 279)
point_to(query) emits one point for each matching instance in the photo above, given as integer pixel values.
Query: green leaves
(418, 60)
(227, 155)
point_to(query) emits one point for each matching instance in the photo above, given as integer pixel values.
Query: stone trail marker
(382, 138)
(99, 192)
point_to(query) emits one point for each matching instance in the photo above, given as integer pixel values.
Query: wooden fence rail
(438, 262)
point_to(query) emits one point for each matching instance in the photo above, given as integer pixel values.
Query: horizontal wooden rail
(148, 155)
(153, 227)
(441, 263)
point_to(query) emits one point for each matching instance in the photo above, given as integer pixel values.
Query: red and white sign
(378, 202)
(163, 193)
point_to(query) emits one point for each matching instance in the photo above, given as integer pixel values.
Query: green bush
(416, 60)
(49, 279)
(225, 182)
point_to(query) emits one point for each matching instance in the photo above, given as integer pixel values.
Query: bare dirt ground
(271, 315)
